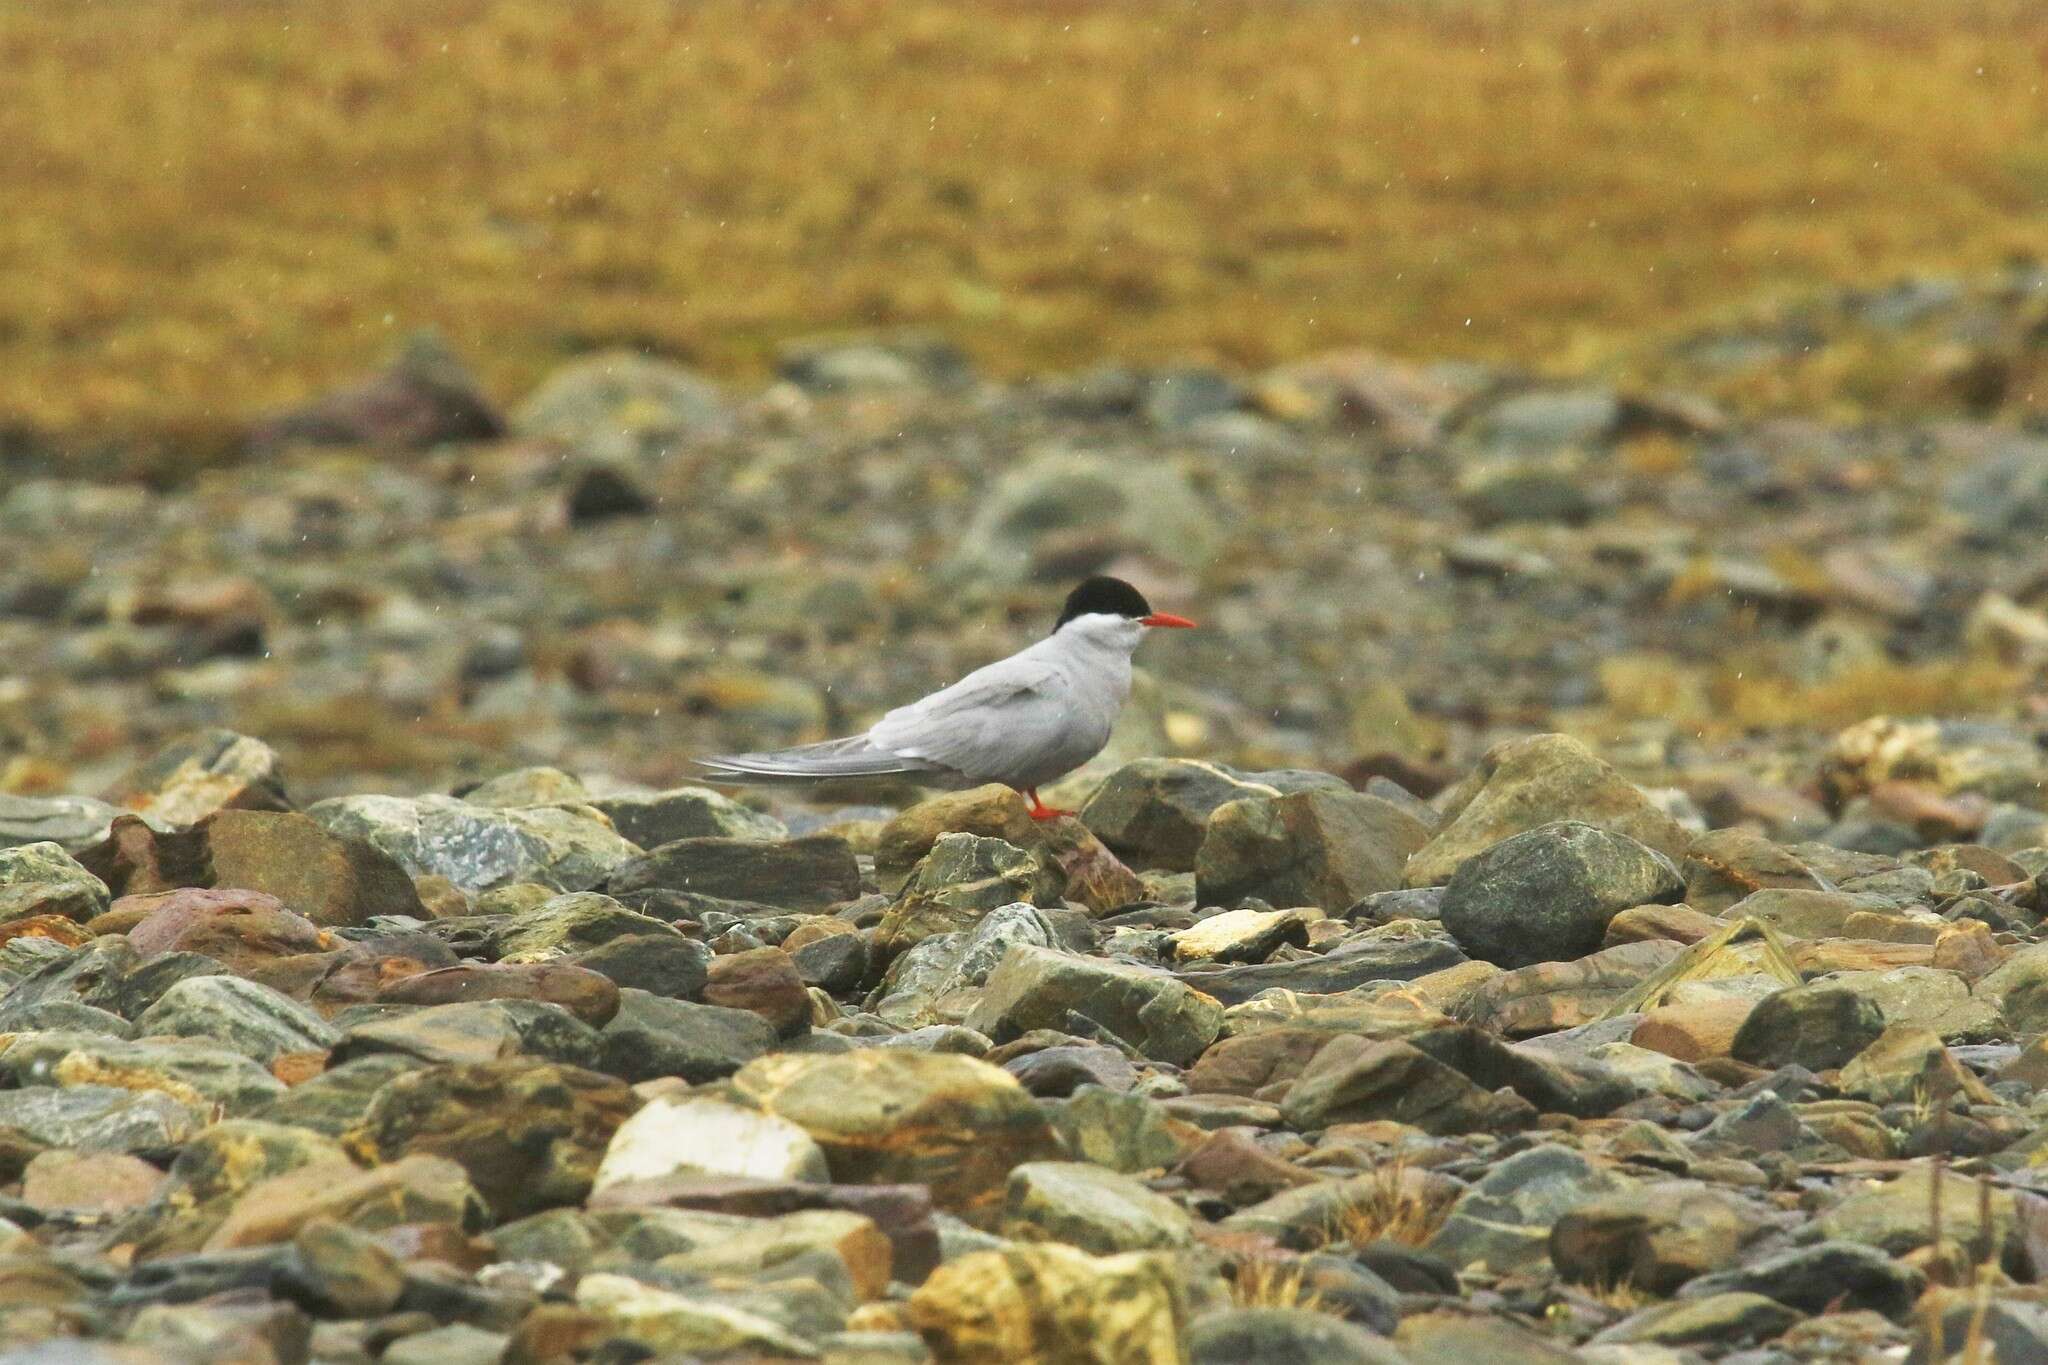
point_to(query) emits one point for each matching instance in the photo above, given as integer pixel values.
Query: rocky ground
(1579, 897)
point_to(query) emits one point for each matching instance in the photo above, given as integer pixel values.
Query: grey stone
(1323, 848)
(1504, 1221)
(652, 1036)
(687, 813)
(664, 964)
(1825, 1277)
(1285, 1336)
(478, 847)
(1150, 1011)
(1153, 812)
(101, 1118)
(254, 1020)
(810, 873)
(1143, 506)
(42, 879)
(1546, 895)
(1817, 1026)
(73, 823)
(1344, 968)
(621, 405)
(1097, 1210)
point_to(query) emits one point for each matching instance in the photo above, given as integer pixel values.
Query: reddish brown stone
(329, 879)
(589, 996)
(135, 860)
(1679, 923)
(1928, 812)
(1726, 865)
(1243, 1066)
(1969, 950)
(240, 929)
(1695, 1031)
(765, 981)
(1240, 1170)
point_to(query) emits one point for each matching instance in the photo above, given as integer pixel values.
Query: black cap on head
(1104, 596)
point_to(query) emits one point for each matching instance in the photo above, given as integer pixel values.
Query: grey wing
(997, 724)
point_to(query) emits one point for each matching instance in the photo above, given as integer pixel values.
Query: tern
(1022, 721)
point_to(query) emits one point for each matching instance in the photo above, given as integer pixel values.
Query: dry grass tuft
(1271, 1282)
(214, 207)
(1392, 1207)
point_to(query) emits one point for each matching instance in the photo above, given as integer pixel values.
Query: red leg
(1041, 811)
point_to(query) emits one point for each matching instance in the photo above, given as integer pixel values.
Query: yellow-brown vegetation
(219, 205)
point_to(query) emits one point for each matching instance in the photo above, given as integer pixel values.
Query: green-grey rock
(335, 1101)
(1155, 1014)
(811, 873)
(569, 924)
(1523, 783)
(476, 1031)
(1820, 1027)
(1153, 812)
(254, 1020)
(100, 1118)
(653, 1036)
(478, 847)
(1085, 1206)
(1504, 1221)
(1323, 848)
(42, 879)
(1546, 895)
(190, 1072)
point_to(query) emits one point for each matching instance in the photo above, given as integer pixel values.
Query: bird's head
(1112, 612)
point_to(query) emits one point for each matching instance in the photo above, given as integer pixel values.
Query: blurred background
(434, 387)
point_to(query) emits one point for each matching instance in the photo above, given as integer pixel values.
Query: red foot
(1041, 811)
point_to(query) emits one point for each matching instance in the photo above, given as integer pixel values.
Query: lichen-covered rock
(1096, 1210)
(530, 1133)
(1547, 894)
(1155, 811)
(476, 1031)
(892, 1116)
(478, 847)
(194, 777)
(1323, 848)
(953, 886)
(254, 1020)
(412, 1189)
(1151, 1012)
(42, 879)
(1052, 1302)
(192, 1073)
(1523, 783)
(795, 874)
